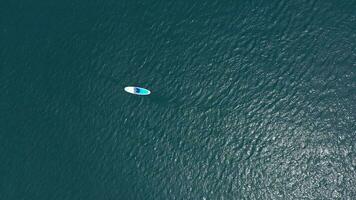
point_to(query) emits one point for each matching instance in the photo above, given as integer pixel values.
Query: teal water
(250, 100)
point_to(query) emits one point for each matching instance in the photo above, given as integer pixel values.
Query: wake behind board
(137, 90)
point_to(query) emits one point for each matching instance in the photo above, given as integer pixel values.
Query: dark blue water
(250, 100)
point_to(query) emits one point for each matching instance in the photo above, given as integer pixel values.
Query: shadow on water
(163, 100)
(176, 102)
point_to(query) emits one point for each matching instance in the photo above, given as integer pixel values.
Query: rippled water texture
(250, 100)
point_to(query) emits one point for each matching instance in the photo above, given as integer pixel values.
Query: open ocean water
(250, 100)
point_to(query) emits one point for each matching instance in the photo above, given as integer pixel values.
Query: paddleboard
(137, 90)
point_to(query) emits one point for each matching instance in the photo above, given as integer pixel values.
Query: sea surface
(250, 100)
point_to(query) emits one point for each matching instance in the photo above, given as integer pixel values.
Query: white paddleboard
(137, 90)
